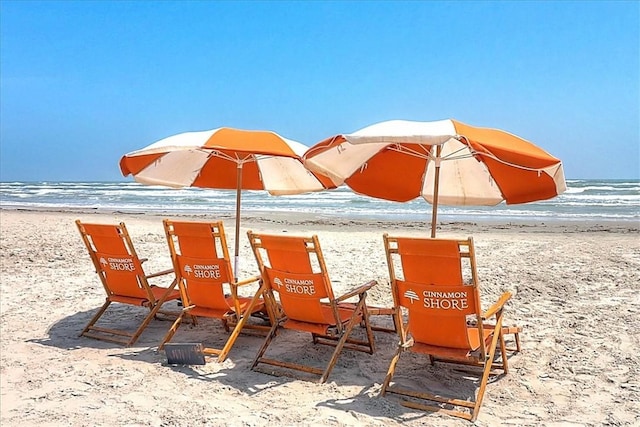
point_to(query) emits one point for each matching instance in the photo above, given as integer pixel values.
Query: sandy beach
(576, 293)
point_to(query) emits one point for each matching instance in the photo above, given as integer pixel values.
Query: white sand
(576, 294)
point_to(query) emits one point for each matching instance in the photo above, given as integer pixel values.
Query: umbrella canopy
(445, 161)
(225, 158)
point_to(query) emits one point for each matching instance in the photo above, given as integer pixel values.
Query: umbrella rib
(250, 157)
(504, 162)
(266, 156)
(454, 156)
(236, 159)
(430, 156)
(403, 149)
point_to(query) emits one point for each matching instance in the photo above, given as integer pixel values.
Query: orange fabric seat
(456, 353)
(444, 317)
(207, 284)
(123, 278)
(300, 292)
(344, 313)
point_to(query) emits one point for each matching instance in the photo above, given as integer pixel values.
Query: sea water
(584, 200)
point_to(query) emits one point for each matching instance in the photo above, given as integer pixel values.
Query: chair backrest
(427, 280)
(294, 268)
(115, 260)
(201, 263)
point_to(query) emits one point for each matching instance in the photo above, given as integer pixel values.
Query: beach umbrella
(225, 158)
(446, 162)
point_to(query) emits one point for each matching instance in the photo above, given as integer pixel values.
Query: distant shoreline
(324, 221)
(588, 202)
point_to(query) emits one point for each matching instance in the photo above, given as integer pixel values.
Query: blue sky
(83, 83)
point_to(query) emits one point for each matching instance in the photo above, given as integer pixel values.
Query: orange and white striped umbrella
(445, 161)
(212, 158)
(225, 158)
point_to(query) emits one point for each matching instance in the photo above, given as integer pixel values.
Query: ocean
(584, 200)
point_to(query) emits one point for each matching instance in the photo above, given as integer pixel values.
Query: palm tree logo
(187, 269)
(103, 262)
(411, 295)
(278, 282)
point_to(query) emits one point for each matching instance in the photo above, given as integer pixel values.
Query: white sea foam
(584, 199)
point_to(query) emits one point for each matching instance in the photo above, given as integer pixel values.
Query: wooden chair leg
(152, 314)
(391, 371)
(503, 352)
(345, 335)
(266, 343)
(172, 330)
(368, 328)
(96, 316)
(487, 369)
(237, 329)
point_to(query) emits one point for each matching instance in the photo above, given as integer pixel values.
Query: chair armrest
(357, 291)
(247, 281)
(159, 273)
(499, 305)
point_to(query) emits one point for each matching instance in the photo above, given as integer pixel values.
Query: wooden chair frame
(488, 335)
(336, 328)
(123, 280)
(206, 244)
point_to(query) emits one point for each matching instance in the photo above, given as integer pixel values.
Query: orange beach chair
(293, 268)
(444, 317)
(206, 281)
(123, 278)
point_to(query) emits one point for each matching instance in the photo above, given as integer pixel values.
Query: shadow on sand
(413, 371)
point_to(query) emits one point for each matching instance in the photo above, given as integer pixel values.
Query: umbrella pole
(236, 258)
(436, 183)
